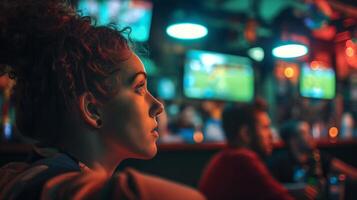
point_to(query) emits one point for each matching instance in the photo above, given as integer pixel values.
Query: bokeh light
(198, 137)
(333, 132)
(289, 72)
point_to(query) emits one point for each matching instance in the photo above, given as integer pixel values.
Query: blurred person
(303, 162)
(238, 172)
(81, 95)
(186, 122)
(184, 119)
(163, 127)
(212, 126)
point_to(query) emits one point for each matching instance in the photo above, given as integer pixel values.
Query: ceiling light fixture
(187, 31)
(290, 51)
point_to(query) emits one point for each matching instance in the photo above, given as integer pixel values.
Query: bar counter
(321, 143)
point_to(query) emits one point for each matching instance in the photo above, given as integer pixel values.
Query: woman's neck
(92, 151)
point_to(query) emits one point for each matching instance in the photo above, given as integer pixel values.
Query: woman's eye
(140, 89)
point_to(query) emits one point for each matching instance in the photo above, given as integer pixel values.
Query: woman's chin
(148, 153)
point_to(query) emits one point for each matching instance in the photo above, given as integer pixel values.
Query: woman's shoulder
(24, 180)
(127, 184)
(152, 187)
(59, 178)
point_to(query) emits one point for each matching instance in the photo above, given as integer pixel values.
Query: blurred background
(201, 55)
(300, 56)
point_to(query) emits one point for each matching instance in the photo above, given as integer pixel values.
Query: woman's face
(129, 118)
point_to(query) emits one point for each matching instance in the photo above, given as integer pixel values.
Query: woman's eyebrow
(132, 79)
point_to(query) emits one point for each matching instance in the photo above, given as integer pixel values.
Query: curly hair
(55, 55)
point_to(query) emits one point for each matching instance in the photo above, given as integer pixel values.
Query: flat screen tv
(133, 13)
(318, 83)
(217, 76)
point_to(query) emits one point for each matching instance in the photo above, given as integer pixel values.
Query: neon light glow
(136, 14)
(256, 53)
(187, 31)
(290, 51)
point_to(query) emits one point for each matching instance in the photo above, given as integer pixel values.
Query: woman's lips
(155, 132)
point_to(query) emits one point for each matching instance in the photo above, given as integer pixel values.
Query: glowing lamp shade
(290, 51)
(186, 31)
(256, 53)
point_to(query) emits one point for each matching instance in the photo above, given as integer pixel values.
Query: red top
(240, 174)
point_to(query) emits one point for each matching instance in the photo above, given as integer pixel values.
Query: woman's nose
(157, 108)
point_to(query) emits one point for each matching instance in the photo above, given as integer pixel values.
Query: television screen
(216, 76)
(317, 83)
(133, 13)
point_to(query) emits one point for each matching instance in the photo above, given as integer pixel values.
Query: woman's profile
(81, 94)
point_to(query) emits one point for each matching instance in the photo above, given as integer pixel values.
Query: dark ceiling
(228, 20)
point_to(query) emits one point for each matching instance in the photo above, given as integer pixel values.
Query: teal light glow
(256, 53)
(136, 14)
(290, 51)
(187, 31)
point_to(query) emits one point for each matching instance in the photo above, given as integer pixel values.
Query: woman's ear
(88, 107)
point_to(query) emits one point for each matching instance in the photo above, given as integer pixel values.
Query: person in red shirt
(238, 171)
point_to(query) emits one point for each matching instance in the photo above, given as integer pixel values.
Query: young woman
(81, 94)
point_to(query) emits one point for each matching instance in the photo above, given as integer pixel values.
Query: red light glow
(315, 65)
(350, 52)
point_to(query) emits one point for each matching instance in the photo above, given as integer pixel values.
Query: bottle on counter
(314, 174)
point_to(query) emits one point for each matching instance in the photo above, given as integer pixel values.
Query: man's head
(249, 126)
(297, 136)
